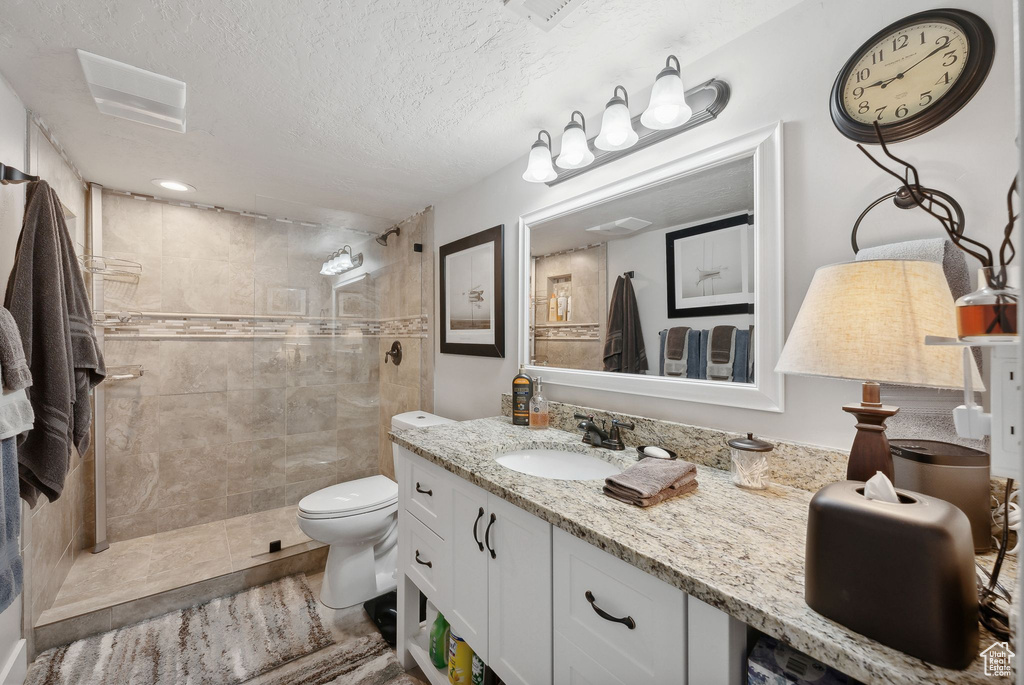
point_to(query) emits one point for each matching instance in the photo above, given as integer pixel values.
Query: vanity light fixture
(539, 168)
(341, 261)
(617, 131)
(575, 152)
(667, 108)
(176, 186)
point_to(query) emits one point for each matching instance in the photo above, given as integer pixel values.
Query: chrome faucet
(593, 434)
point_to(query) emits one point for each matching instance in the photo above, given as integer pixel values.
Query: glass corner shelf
(958, 342)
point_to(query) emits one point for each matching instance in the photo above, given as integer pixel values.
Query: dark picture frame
(472, 297)
(680, 309)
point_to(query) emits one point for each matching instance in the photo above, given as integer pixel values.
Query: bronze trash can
(901, 574)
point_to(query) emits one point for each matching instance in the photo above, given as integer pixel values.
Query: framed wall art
(472, 285)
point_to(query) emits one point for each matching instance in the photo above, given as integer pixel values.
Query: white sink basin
(558, 464)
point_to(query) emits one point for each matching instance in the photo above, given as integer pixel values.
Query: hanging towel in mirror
(676, 342)
(47, 297)
(624, 342)
(721, 352)
(14, 371)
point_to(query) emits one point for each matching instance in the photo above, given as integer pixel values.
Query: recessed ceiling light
(178, 186)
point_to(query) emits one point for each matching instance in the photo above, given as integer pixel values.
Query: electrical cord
(994, 599)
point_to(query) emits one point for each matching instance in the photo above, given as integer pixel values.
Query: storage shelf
(419, 649)
(957, 342)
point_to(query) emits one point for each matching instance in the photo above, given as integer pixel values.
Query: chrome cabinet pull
(627, 621)
(487, 536)
(475, 524)
(428, 493)
(428, 564)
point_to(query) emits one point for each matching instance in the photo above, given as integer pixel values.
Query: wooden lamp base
(870, 451)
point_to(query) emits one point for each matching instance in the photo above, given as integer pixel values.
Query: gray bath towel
(739, 365)
(47, 297)
(10, 509)
(624, 342)
(14, 372)
(16, 415)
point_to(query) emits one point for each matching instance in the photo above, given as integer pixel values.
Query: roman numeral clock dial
(912, 75)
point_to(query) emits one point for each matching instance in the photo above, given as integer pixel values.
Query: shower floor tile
(140, 567)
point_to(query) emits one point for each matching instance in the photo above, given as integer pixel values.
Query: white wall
(12, 203)
(784, 71)
(651, 285)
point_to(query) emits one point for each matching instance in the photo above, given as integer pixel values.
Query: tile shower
(262, 381)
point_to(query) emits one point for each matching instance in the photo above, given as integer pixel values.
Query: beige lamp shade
(867, 321)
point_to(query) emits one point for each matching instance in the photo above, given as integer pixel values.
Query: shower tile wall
(578, 344)
(219, 428)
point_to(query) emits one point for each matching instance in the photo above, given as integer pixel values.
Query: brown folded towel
(684, 485)
(648, 477)
(721, 348)
(675, 342)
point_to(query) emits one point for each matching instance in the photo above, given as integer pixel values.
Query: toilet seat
(351, 498)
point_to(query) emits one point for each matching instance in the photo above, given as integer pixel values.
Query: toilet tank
(413, 419)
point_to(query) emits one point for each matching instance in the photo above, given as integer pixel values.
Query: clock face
(905, 73)
(912, 75)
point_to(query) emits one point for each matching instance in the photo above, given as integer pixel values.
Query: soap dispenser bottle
(539, 416)
(522, 393)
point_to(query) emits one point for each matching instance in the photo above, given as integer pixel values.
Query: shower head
(382, 239)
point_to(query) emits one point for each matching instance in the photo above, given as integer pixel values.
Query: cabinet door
(630, 623)
(468, 612)
(519, 595)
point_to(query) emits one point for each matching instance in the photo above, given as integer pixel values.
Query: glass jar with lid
(990, 312)
(750, 462)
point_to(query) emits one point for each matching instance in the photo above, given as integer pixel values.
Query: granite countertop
(741, 551)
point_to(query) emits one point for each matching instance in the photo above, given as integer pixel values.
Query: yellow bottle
(553, 308)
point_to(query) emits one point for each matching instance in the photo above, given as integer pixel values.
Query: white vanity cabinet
(540, 606)
(493, 584)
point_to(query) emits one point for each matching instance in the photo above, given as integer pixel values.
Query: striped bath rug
(229, 640)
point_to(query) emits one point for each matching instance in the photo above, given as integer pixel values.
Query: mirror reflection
(657, 282)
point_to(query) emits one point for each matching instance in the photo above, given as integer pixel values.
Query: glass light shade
(539, 169)
(575, 152)
(616, 128)
(344, 260)
(325, 270)
(667, 108)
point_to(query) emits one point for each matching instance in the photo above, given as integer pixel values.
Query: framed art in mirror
(472, 284)
(710, 268)
(698, 243)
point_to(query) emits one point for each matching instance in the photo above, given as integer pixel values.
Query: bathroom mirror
(667, 284)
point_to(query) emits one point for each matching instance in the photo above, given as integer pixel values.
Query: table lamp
(867, 321)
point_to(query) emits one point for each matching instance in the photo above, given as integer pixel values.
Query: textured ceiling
(368, 106)
(718, 191)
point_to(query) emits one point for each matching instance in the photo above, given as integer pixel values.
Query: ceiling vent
(543, 13)
(620, 227)
(122, 90)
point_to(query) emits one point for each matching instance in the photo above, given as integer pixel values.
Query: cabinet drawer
(428, 495)
(426, 559)
(630, 623)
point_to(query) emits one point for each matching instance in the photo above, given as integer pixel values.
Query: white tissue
(879, 487)
(656, 452)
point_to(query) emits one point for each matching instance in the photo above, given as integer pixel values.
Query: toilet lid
(350, 498)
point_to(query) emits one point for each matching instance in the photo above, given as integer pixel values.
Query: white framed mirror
(667, 284)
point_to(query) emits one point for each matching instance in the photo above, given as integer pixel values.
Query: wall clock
(912, 75)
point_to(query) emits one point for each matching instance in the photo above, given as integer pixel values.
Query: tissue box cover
(901, 574)
(773, 663)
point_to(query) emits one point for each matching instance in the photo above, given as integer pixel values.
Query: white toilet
(359, 520)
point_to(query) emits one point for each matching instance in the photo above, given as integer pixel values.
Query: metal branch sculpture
(931, 201)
